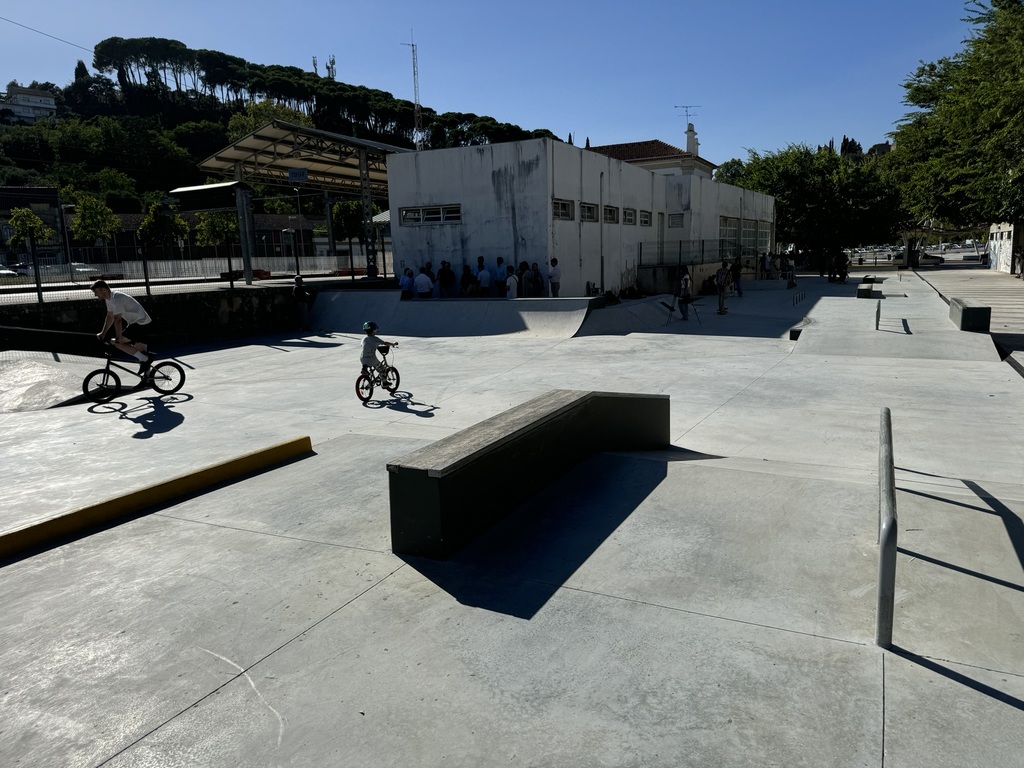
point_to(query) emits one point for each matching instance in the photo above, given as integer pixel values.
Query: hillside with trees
(153, 108)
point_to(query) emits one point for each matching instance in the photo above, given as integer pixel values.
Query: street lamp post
(64, 211)
(298, 207)
(291, 237)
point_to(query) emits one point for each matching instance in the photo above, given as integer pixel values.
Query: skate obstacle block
(970, 315)
(450, 492)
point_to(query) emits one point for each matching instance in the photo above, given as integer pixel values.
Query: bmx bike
(103, 384)
(387, 377)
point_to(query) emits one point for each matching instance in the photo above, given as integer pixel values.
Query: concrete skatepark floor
(708, 605)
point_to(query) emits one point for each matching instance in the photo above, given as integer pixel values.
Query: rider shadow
(155, 416)
(403, 403)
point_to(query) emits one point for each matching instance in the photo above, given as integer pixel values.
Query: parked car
(5, 272)
(929, 259)
(24, 268)
(84, 271)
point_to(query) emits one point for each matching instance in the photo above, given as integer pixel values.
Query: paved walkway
(708, 605)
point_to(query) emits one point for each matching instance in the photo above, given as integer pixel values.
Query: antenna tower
(417, 114)
(686, 108)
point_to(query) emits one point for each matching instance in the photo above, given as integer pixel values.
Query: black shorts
(138, 332)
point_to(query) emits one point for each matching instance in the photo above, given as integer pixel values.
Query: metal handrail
(887, 533)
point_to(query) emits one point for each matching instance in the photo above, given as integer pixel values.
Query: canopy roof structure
(330, 161)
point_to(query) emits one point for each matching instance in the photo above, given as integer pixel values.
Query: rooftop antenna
(417, 114)
(686, 108)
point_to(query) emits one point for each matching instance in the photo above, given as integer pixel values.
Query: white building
(1003, 240)
(29, 105)
(611, 224)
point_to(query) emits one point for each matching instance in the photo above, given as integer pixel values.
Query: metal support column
(369, 241)
(246, 226)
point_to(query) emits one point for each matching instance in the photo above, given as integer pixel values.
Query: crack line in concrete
(244, 672)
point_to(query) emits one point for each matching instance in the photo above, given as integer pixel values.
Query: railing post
(887, 534)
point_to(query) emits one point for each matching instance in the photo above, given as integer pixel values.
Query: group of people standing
(503, 281)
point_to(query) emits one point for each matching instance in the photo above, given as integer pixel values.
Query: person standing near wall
(737, 271)
(424, 285)
(446, 281)
(684, 293)
(722, 284)
(500, 273)
(554, 278)
(511, 283)
(304, 298)
(538, 280)
(407, 283)
(525, 280)
(483, 278)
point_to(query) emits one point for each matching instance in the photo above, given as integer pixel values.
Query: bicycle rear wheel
(364, 387)
(167, 377)
(392, 379)
(101, 386)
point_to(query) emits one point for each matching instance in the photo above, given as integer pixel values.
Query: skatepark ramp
(346, 311)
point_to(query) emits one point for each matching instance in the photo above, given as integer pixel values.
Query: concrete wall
(181, 318)
(503, 191)
(506, 191)
(586, 249)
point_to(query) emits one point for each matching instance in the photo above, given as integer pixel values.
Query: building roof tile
(653, 149)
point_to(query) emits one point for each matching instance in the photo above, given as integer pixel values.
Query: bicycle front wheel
(364, 387)
(101, 386)
(167, 378)
(392, 379)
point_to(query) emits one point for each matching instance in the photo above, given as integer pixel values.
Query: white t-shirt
(369, 354)
(555, 274)
(128, 308)
(513, 287)
(485, 278)
(423, 283)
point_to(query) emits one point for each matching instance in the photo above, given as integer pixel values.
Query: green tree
(348, 221)
(26, 226)
(162, 226)
(959, 155)
(259, 114)
(824, 201)
(93, 220)
(216, 228)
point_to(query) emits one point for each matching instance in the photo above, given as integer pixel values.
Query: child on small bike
(371, 343)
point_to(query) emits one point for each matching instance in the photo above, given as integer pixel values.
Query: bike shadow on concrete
(155, 414)
(520, 563)
(402, 402)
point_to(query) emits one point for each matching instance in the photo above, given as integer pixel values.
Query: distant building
(1003, 241)
(658, 157)
(616, 217)
(28, 104)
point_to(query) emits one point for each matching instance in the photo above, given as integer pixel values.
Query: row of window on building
(750, 233)
(564, 210)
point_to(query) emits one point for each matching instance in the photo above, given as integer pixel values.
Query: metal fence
(690, 252)
(56, 280)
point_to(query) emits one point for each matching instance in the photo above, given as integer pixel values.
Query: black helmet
(369, 326)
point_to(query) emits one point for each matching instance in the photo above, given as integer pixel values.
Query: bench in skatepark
(970, 315)
(450, 492)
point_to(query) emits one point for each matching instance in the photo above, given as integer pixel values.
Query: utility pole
(417, 114)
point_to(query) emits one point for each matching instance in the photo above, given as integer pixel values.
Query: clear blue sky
(762, 74)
